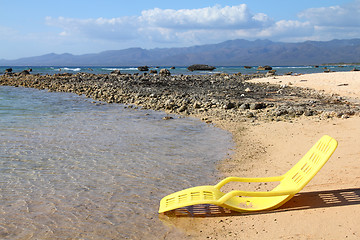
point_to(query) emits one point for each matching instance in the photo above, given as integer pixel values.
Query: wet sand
(328, 207)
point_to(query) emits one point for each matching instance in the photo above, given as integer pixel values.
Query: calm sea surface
(72, 168)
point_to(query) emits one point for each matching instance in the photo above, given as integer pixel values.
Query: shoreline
(286, 122)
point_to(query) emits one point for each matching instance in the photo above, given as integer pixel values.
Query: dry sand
(327, 208)
(341, 83)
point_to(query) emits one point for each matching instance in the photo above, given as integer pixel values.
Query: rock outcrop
(264, 68)
(200, 67)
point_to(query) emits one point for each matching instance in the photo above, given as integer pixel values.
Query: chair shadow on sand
(301, 201)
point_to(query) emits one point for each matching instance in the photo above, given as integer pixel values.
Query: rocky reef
(220, 96)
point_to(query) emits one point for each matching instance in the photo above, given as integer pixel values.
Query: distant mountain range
(228, 53)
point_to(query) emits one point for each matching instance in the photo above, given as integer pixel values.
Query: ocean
(280, 70)
(72, 167)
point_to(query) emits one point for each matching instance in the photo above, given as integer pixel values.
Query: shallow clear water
(74, 168)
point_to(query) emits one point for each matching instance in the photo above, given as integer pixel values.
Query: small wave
(71, 69)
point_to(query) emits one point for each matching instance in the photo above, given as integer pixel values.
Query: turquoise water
(179, 70)
(74, 168)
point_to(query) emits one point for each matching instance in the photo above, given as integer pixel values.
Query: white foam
(72, 69)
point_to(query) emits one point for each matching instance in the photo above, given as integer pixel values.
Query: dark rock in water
(8, 70)
(264, 68)
(143, 68)
(355, 70)
(200, 67)
(172, 68)
(153, 71)
(247, 67)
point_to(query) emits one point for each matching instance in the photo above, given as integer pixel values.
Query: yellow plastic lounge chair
(243, 201)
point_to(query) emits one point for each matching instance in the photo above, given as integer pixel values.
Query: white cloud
(168, 27)
(230, 17)
(288, 30)
(100, 28)
(185, 26)
(347, 15)
(335, 21)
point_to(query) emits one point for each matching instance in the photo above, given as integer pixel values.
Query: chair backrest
(308, 166)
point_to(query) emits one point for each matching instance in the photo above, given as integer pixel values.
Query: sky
(37, 27)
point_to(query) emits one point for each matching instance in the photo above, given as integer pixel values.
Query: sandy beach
(328, 207)
(342, 83)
